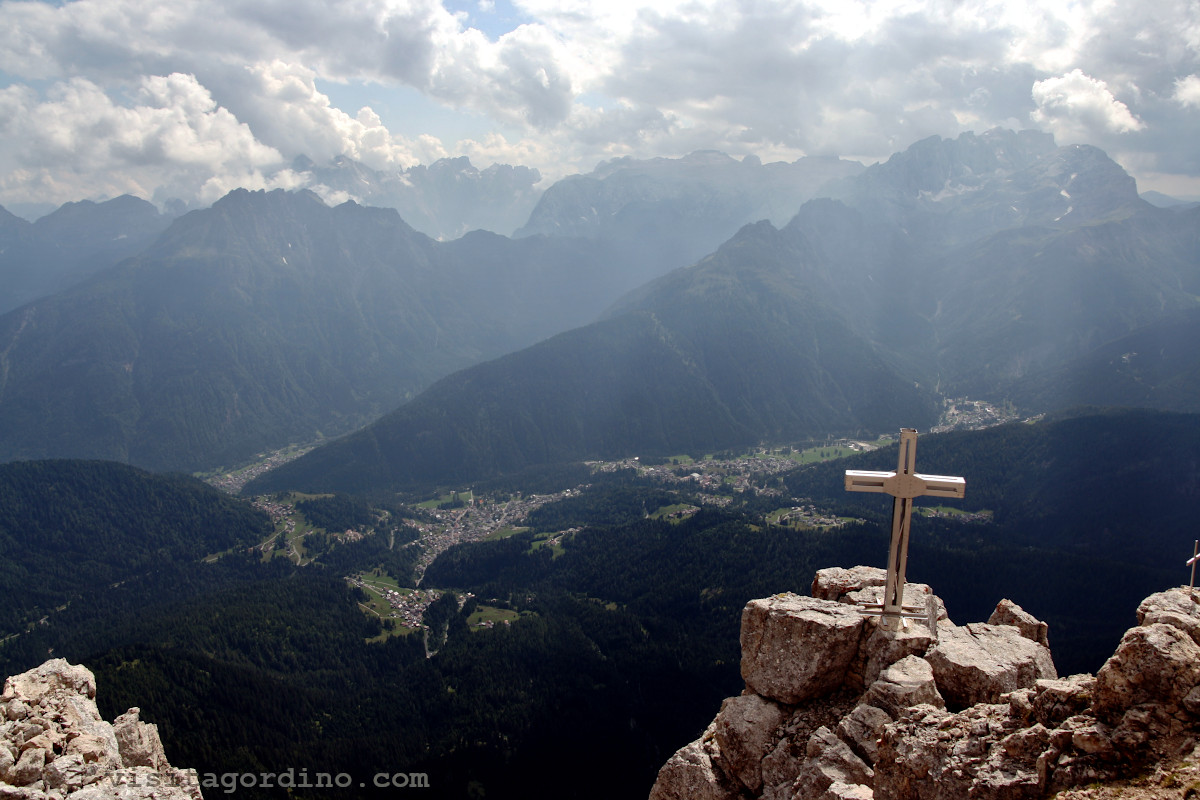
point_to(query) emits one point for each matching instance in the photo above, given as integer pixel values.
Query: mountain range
(997, 265)
(272, 318)
(70, 244)
(980, 266)
(443, 200)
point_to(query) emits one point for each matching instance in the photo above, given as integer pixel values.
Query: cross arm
(900, 485)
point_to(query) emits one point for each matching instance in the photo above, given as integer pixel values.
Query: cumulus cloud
(1187, 91)
(582, 81)
(172, 139)
(1074, 105)
(281, 104)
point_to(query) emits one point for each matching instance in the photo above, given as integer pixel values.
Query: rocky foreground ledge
(55, 746)
(837, 708)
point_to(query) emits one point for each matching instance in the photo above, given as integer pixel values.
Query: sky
(190, 99)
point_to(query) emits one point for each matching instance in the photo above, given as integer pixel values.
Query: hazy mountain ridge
(679, 371)
(266, 319)
(70, 244)
(1045, 255)
(670, 212)
(961, 265)
(946, 192)
(445, 199)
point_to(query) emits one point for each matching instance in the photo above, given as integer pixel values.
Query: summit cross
(904, 484)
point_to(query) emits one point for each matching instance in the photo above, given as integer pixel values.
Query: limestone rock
(55, 744)
(53, 678)
(1009, 613)
(834, 583)
(977, 663)
(981, 752)
(794, 648)
(804, 729)
(1058, 699)
(779, 770)
(830, 760)
(882, 648)
(138, 741)
(745, 728)
(862, 729)
(847, 791)
(1179, 608)
(1157, 663)
(691, 775)
(907, 683)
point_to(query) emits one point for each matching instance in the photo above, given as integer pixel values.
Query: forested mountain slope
(731, 351)
(269, 319)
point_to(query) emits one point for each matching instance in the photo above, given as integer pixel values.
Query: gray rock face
(690, 774)
(980, 662)
(1158, 663)
(794, 647)
(830, 761)
(907, 683)
(798, 733)
(55, 745)
(744, 729)
(1009, 613)
(834, 583)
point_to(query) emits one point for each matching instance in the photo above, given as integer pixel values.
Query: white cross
(904, 484)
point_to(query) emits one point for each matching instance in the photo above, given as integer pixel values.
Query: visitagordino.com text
(230, 782)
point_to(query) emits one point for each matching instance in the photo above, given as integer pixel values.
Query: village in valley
(463, 516)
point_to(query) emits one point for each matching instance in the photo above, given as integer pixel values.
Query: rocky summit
(54, 744)
(838, 708)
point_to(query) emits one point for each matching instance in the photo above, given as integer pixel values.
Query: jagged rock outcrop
(838, 708)
(54, 745)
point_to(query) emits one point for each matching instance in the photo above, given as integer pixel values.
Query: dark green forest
(627, 637)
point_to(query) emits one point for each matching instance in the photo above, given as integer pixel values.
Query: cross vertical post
(1192, 562)
(903, 485)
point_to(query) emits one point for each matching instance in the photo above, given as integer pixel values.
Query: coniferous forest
(625, 638)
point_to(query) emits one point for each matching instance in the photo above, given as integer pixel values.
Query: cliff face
(837, 708)
(54, 745)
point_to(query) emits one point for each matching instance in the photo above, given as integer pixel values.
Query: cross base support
(893, 619)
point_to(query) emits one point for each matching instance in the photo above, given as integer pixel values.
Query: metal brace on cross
(904, 484)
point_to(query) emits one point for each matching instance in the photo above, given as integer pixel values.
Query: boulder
(1009, 613)
(138, 742)
(932, 754)
(55, 744)
(53, 678)
(691, 775)
(1179, 608)
(830, 760)
(847, 791)
(834, 583)
(907, 683)
(862, 729)
(795, 648)
(745, 733)
(1056, 700)
(1156, 664)
(881, 648)
(978, 663)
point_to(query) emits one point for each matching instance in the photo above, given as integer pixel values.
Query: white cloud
(280, 102)
(174, 138)
(1076, 105)
(1187, 91)
(581, 81)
